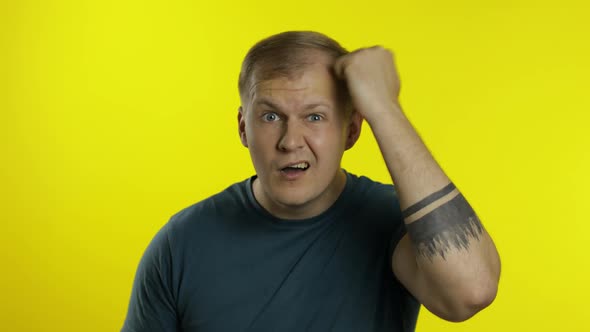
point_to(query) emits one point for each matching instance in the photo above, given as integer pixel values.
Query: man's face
(296, 131)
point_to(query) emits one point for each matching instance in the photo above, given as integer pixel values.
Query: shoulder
(375, 194)
(378, 204)
(191, 228)
(229, 202)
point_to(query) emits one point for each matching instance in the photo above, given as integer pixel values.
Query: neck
(309, 209)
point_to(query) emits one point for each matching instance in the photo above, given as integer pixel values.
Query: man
(304, 245)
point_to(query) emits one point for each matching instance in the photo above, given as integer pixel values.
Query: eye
(270, 117)
(314, 117)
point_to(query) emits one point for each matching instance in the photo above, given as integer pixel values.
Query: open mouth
(295, 169)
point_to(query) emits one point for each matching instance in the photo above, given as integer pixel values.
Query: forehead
(313, 83)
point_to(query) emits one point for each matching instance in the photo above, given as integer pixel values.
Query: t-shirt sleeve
(152, 305)
(399, 227)
(398, 233)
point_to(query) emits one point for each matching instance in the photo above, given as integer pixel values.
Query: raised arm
(447, 260)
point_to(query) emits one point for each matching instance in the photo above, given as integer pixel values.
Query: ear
(242, 126)
(354, 129)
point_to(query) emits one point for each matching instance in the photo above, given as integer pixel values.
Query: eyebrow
(266, 102)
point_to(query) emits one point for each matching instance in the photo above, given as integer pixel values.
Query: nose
(292, 137)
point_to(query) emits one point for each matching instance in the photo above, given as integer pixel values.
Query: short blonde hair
(285, 55)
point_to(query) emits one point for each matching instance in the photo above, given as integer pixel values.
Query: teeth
(300, 165)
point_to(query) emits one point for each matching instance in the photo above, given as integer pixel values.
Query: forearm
(411, 166)
(454, 253)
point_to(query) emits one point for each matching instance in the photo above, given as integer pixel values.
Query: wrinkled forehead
(314, 84)
(306, 68)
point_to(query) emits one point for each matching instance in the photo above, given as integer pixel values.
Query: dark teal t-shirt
(226, 264)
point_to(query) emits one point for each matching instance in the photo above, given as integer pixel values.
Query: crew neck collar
(326, 215)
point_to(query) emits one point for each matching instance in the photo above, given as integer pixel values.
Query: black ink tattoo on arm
(443, 222)
(428, 200)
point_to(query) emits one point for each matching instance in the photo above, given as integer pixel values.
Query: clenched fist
(372, 80)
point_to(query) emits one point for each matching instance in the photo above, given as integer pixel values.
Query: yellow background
(116, 114)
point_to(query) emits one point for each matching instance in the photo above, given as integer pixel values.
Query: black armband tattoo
(428, 200)
(445, 221)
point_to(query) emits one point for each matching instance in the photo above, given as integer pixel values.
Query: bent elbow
(471, 304)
